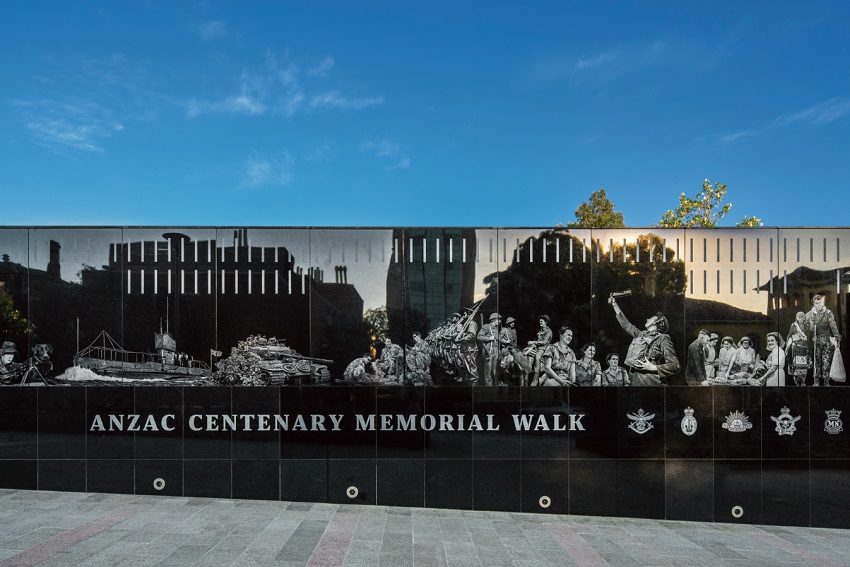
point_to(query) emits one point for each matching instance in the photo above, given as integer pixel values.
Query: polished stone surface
(62, 528)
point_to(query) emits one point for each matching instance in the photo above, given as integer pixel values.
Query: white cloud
(262, 172)
(390, 152)
(211, 30)
(322, 68)
(594, 61)
(83, 102)
(815, 115)
(278, 90)
(335, 99)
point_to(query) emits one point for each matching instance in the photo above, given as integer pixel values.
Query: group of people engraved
(463, 352)
(809, 354)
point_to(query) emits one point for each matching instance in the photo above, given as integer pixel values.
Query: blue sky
(419, 113)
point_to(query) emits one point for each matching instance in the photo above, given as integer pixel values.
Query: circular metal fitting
(545, 501)
(158, 484)
(352, 492)
(737, 511)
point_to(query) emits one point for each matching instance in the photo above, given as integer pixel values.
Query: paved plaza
(63, 528)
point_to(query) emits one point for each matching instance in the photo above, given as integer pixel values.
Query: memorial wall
(661, 373)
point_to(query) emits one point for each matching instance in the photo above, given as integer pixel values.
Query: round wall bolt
(158, 484)
(737, 511)
(352, 492)
(545, 501)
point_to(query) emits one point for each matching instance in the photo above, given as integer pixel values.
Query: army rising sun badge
(737, 422)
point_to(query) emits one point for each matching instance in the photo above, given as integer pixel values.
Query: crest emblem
(641, 421)
(833, 424)
(737, 422)
(689, 422)
(785, 423)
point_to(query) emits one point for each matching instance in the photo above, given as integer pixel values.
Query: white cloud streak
(279, 90)
(211, 30)
(262, 172)
(812, 116)
(322, 68)
(84, 102)
(389, 152)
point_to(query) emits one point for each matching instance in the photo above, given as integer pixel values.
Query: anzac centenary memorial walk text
(336, 422)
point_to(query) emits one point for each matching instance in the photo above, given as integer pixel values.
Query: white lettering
(193, 419)
(446, 422)
(300, 424)
(134, 420)
(164, 422)
(575, 422)
(97, 424)
(336, 419)
(150, 424)
(228, 423)
(212, 422)
(475, 424)
(522, 422)
(428, 422)
(406, 423)
(318, 422)
(366, 423)
(556, 426)
(116, 422)
(541, 424)
(263, 422)
(491, 423)
(281, 422)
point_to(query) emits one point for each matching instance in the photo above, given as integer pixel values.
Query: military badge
(737, 422)
(833, 424)
(689, 422)
(785, 423)
(641, 421)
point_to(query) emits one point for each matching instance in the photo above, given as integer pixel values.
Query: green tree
(705, 210)
(598, 212)
(378, 322)
(13, 325)
(750, 222)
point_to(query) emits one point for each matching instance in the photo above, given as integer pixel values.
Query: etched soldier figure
(536, 347)
(391, 358)
(418, 361)
(711, 355)
(489, 337)
(651, 357)
(825, 337)
(695, 366)
(356, 370)
(588, 372)
(10, 371)
(507, 336)
(614, 375)
(559, 361)
(467, 352)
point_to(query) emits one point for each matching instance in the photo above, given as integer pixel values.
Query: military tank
(261, 361)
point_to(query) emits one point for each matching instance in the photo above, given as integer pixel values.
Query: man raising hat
(651, 357)
(489, 337)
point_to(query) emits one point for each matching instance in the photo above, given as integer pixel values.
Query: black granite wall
(215, 286)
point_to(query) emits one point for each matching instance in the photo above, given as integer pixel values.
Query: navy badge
(833, 424)
(641, 421)
(785, 423)
(737, 422)
(689, 422)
